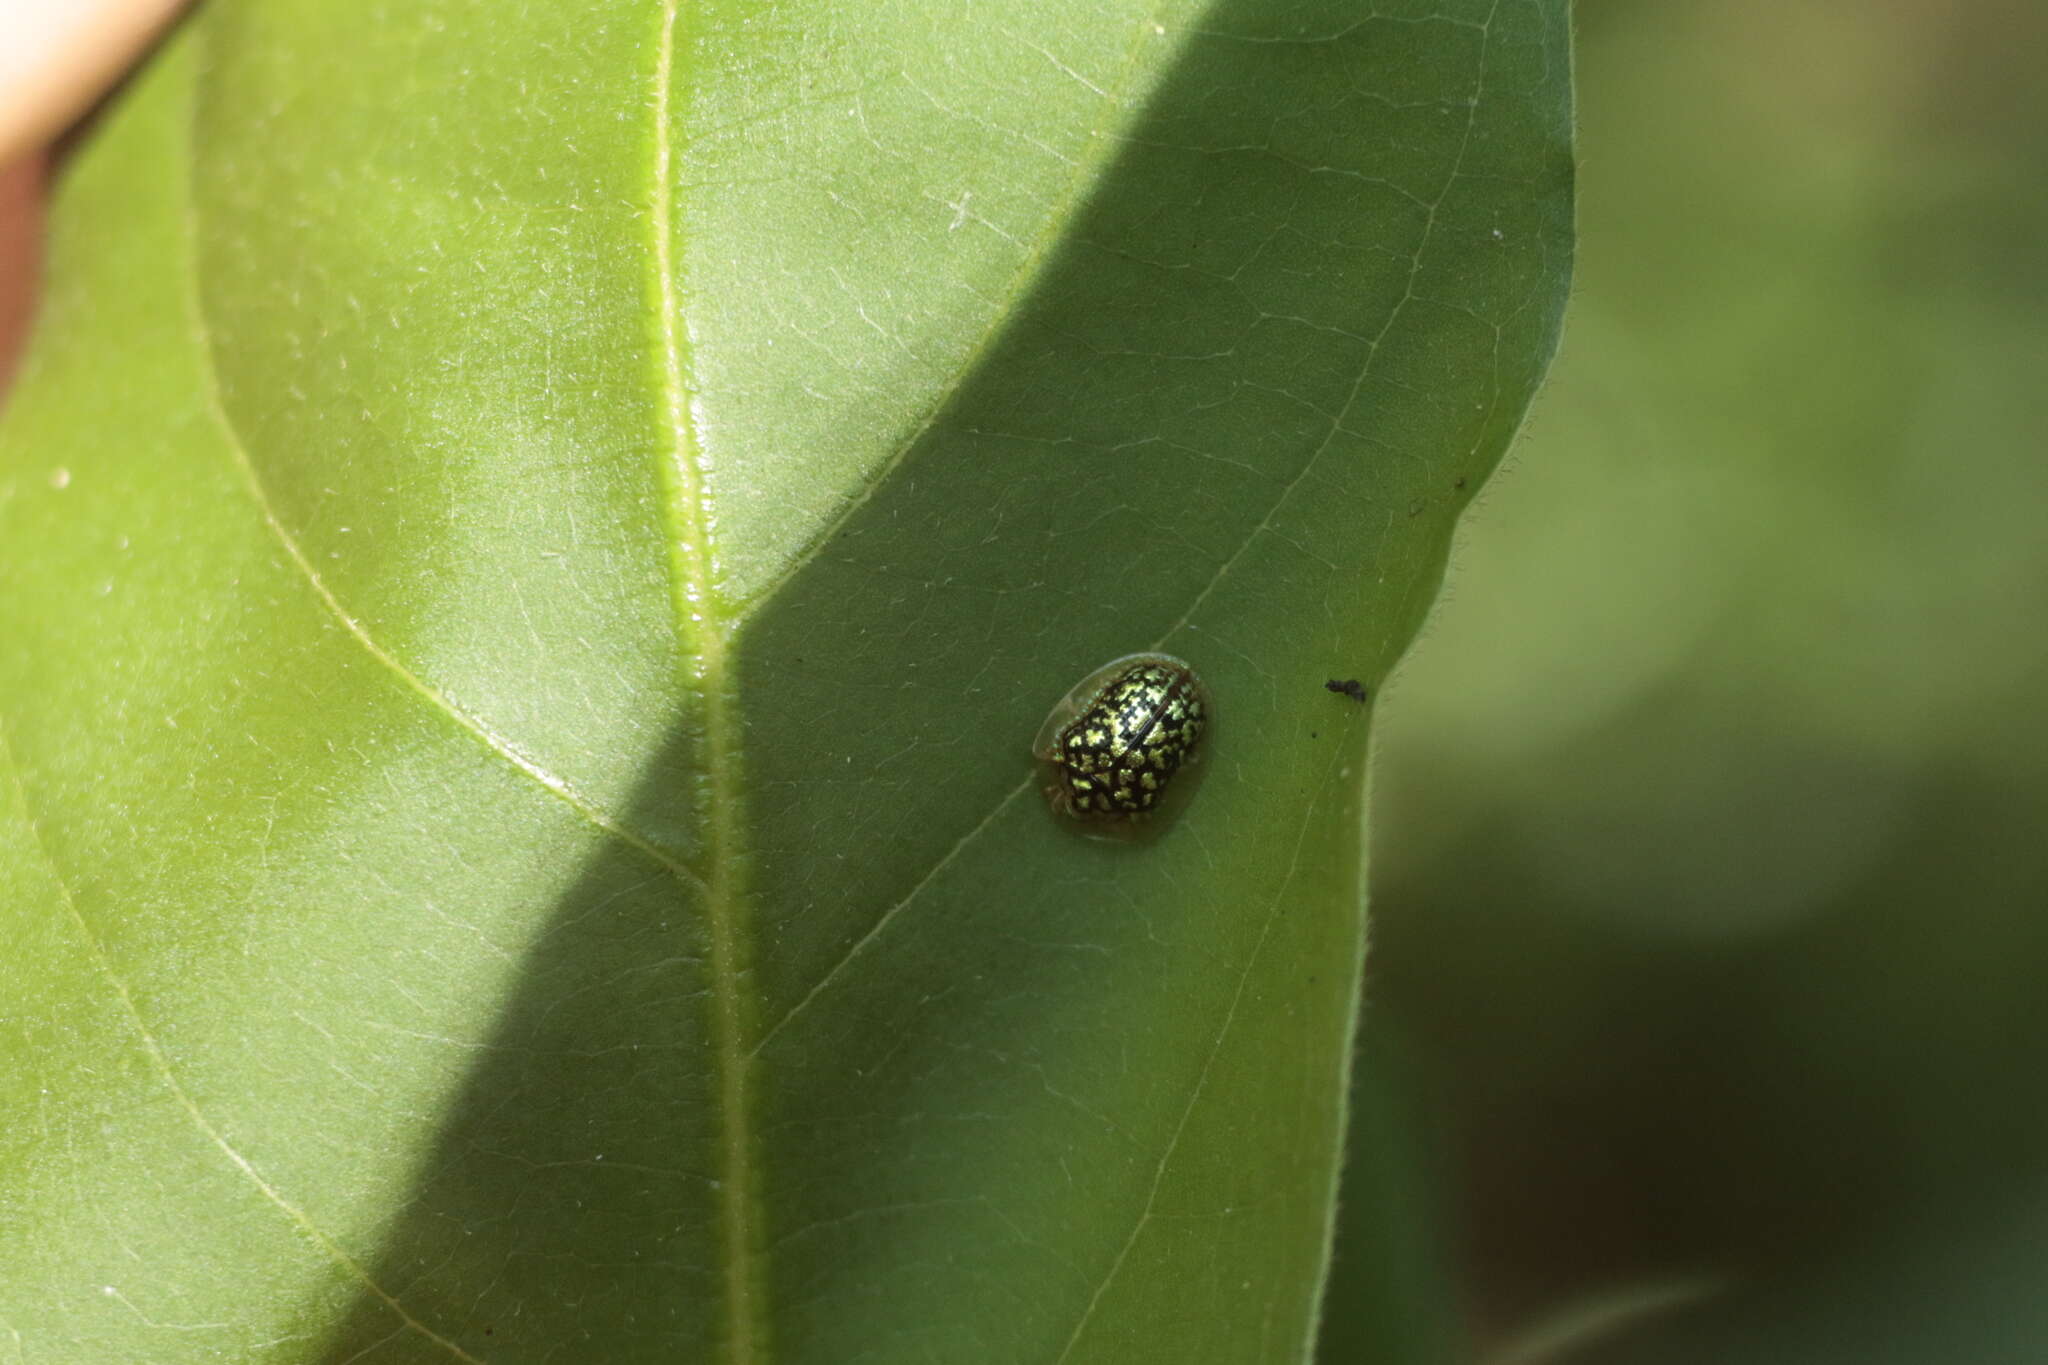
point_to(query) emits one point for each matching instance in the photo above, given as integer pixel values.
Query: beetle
(1116, 741)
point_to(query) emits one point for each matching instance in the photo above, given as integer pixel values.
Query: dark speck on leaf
(1348, 687)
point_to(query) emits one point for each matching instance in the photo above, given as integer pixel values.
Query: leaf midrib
(705, 627)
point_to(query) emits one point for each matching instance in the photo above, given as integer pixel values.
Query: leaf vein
(1084, 171)
(1146, 1214)
(882, 922)
(1372, 354)
(476, 726)
(160, 1063)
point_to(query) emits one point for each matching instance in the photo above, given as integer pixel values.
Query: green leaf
(538, 538)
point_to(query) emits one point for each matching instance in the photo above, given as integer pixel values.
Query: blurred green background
(1710, 869)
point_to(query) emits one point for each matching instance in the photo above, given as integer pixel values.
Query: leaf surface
(538, 539)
